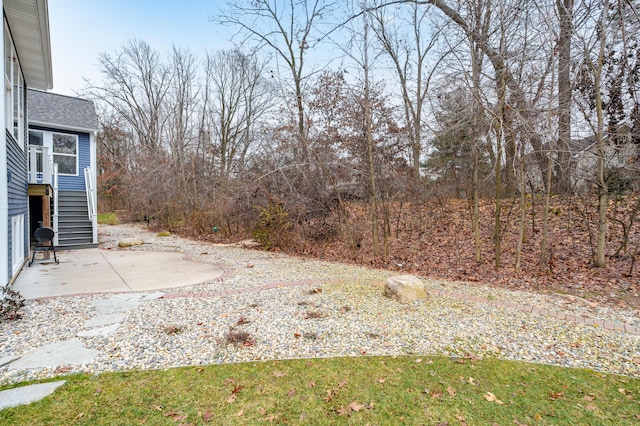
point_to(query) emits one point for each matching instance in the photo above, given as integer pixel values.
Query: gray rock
(129, 242)
(27, 394)
(105, 319)
(99, 331)
(8, 360)
(405, 288)
(69, 352)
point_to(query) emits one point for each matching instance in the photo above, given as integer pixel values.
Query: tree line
(322, 104)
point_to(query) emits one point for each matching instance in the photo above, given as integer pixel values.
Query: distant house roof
(51, 109)
(579, 145)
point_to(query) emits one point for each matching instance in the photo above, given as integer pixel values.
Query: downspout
(4, 186)
(93, 177)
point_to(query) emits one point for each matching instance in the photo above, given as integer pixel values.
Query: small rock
(405, 288)
(249, 243)
(130, 242)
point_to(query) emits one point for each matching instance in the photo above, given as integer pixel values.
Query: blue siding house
(62, 167)
(27, 63)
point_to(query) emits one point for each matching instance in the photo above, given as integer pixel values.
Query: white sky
(81, 29)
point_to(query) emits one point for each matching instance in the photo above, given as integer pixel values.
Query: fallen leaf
(207, 416)
(472, 381)
(492, 398)
(418, 360)
(271, 418)
(311, 384)
(555, 395)
(451, 391)
(356, 406)
(622, 391)
(232, 398)
(342, 384)
(303, 416)
(262, 411)
(291, 392)
(537, 417)
(588, 398)
(436, 394)
(381, 380)
(591, 407)
(278, 374)
(240, 413)
(370, 406)
(342, 411)
(229, 380)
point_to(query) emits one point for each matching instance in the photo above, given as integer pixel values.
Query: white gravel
(348, 317)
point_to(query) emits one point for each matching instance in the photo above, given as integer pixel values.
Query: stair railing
(91, 201)
(55, 204)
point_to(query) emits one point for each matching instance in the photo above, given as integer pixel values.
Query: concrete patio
(110, 271)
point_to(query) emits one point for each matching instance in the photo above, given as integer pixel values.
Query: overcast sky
(81, 29)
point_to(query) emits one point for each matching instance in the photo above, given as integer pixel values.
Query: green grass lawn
(108, 219)
(359, 391)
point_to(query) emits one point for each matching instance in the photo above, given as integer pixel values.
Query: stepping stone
(27, 394)
(7, 360)
(99, 331)
(105, 320)
(68, 352)
(113, 306)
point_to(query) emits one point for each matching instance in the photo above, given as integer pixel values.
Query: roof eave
(29, 23)
(62, 127)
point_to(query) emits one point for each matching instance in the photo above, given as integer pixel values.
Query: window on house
(14, 90)
(65, 153)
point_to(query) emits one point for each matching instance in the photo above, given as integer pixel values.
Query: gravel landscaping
(312, 309)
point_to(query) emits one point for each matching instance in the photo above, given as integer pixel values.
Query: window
(36, 138)
(17, 242)
(14, 90)
(65, 153)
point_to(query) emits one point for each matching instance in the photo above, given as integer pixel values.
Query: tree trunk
(603, 196)
(369, 143)
(565, 16)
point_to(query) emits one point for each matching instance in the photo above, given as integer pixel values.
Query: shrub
(239, 338)
(273, 227)
(108, 219)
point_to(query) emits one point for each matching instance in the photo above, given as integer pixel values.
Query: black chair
(44, 243)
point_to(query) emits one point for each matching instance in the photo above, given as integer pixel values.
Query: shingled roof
(51, 109)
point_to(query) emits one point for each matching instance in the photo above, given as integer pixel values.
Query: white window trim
(76, 155)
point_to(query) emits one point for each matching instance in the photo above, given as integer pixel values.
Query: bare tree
(239, 97)
(290, 30)
(408, 45)
(135, 85)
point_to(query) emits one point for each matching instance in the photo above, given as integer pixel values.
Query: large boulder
(130, 242)
(405, 288)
